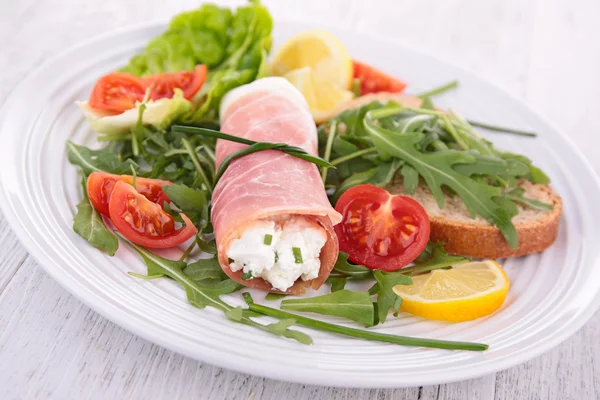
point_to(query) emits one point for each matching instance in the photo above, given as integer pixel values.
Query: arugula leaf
(517, 195)
(433, 257)
(411, 178)
(355, 306)
(344, 268)
(202, 296)
(380, 176)
(337, 282)
(361, 333)
(492, 165)
(281, 328)
(437, 171)
(192, 202)
(89, 225)
(205, 269)
(103, 160)
(386, 298)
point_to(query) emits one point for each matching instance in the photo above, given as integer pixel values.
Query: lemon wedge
(463, 293)
(323, 97)
(322, 52)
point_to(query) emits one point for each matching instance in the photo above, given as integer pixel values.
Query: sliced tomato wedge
(373, 81)
(117, 92)
(100, 186)
(144, 222)
(164, 85)
(381, 231)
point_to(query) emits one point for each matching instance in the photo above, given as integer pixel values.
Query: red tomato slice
(117, 92)
(164, 85)
(373, 80)
(144, 222)
(381, 231)
(100, 186)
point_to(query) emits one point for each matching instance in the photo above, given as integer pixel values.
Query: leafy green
(281, 329)
(192, 202)
(433, 257)
(337, 282)
(202, 296)
(252, 148)
(361, 333)
(386, 298)
(437, 171)
(344, 268)
(439, 90)
(205, 269)
(517, 195)
(103, 160)
(356, 306)
(234, 46)
(89, 225)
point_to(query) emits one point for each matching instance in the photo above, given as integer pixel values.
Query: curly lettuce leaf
(234, 45)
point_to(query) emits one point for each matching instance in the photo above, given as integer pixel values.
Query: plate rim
(105, 308)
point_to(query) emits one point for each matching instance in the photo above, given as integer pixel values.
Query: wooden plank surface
(52, 346)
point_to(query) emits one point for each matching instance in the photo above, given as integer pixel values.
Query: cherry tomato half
(373, 80)
(381, 231)
(100, 186)
(117, 92)
(144, 222)
(164, 85)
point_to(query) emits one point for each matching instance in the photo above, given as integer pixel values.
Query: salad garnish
(155, 177)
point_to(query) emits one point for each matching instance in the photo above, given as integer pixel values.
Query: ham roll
(272, 220)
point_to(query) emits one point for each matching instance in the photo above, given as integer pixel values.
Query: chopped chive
(247, 275)
(230, 260)
(268, 239)
(297, 255)
(356, 87)
(276, 257)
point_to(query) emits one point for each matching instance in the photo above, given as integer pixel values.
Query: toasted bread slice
(465, 236)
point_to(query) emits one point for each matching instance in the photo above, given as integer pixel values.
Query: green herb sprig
(359, 333)
(253, 147)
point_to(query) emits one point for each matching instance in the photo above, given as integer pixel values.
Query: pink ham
(269, 183)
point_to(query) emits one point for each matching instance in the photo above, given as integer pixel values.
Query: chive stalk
(439, 90)
(362, 334)
(501, 129)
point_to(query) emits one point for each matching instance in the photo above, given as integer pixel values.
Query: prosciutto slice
(269, 183)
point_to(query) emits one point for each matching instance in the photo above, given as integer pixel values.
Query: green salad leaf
(355, 306)
(205, 269)
(192, 202)
(233, 44)
(343, 267)
(102, 160)
(337, 282)
(207, 295)
(89, 225)
(386, 298)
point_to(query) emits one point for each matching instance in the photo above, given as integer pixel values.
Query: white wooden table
(52, 346)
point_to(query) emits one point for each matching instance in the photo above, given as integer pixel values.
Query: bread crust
(486, 241)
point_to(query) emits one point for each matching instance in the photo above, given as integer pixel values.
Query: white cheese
(275, 262)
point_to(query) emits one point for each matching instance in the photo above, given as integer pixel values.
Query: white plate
(553, 293)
